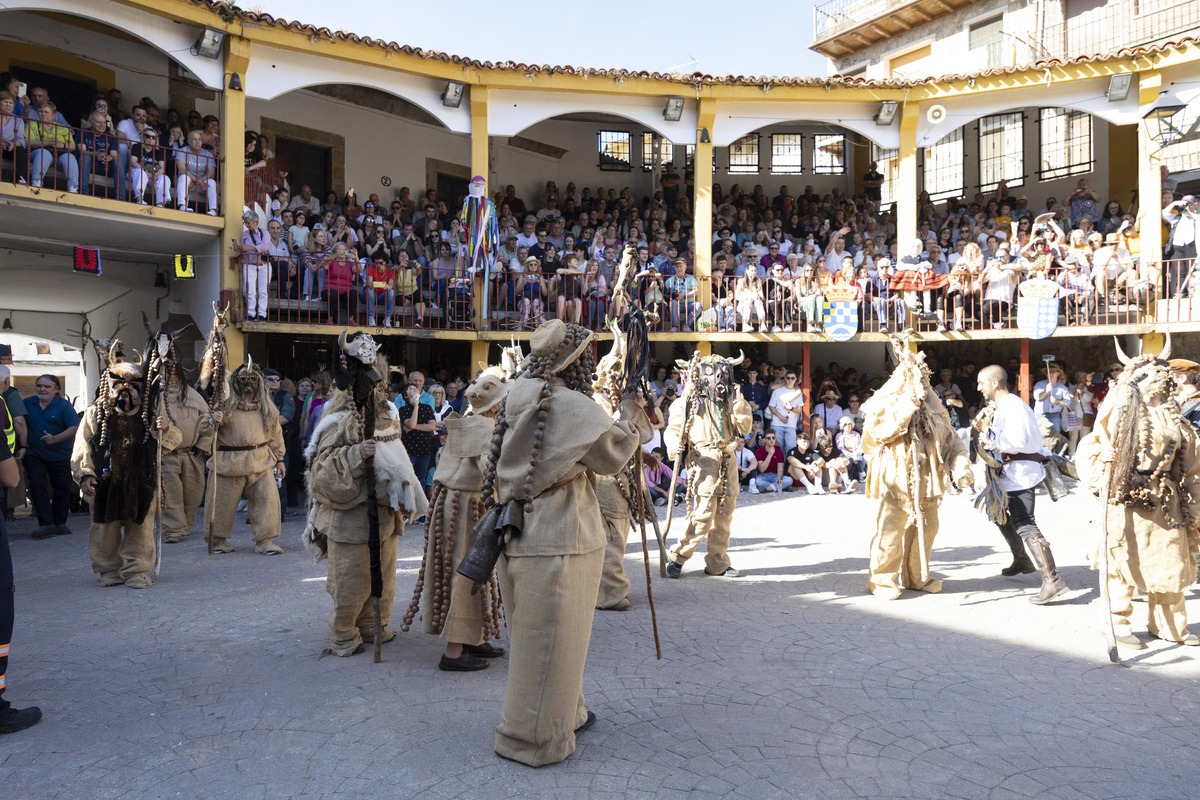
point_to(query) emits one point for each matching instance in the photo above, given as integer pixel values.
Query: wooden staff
(640, 491)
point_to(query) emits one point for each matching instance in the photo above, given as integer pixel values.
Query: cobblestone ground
(789, 682)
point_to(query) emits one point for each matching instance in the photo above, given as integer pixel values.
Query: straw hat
(485, 392)
(1185, 366)
(831, 394)
(548, 342)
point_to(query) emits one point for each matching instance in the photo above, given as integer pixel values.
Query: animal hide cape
(125, 467)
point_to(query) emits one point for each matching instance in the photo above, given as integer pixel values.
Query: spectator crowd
(774, 260)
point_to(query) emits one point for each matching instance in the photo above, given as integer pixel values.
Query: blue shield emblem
(1037, 308)
(841, 322)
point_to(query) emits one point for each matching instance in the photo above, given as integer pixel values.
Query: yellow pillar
(479, 166)
(1153, 342)
(906, 175)
(1150, 182)
(232, 188)
(479, 355)
(702, 210)
(704, 348)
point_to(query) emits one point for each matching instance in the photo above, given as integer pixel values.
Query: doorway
(307, 164)
(72, 97)
(453, 189)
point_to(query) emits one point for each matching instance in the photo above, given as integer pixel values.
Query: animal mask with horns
(714, 374)
(125, 380)
(1151, 373)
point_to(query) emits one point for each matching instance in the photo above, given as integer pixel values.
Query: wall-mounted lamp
(452, 97)
(235, 82)
(886, 113)
(1161, 119)
(160, 281)
(674, 109)
(704, 136)
(8, 322)
(1118, 87)
(209, 43)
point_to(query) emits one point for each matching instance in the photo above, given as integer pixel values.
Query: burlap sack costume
(450, 610)
(913, 450)
(183, 465)
(550, 445)
(1152, 540)
(249, 443)
(712, 474)
(612, 492)
(337, 526)
(120, 457)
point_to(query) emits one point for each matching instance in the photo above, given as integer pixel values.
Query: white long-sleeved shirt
(1015, 430)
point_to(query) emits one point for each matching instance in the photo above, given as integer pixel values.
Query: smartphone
(22, 90)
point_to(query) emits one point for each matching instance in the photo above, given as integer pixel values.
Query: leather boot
(1052, 583)
(1021, 563)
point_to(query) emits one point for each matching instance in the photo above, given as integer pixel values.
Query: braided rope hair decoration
(577, 376)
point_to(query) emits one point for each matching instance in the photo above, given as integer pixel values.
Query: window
(889, 164)
(743, 155)
(666, 151)
(987, 37)
(1064, 142)
(913, 64)
(1001, 150)
(690, 157)
(944, 167)
(615, 155)
(787, 153)
(829, 154)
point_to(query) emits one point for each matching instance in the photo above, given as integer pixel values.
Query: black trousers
(1020, 513)
(44, 476)
(6, 605)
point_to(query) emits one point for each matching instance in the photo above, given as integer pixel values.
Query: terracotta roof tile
(227, 9)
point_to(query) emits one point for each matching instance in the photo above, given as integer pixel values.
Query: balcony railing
(839, 15)
(85, 165)
(313, 290)
(1121, 24)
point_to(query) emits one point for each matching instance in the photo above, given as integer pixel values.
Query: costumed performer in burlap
(913, 451)
(1148, 454)
(337, 527)
(114, 464)
(249, 459)
(550, 438)
(707, 419)
(464, 620)
(183, 465)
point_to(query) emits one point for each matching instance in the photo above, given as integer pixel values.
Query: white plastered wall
(377, 144)
(274, 72)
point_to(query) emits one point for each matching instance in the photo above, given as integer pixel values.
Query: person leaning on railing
(195, 166)
(342, 270)
(12, 137)
(379, 282)
(51, 143)
(408, 286)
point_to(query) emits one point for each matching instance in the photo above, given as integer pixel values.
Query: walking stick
(658, 534)
(158, 490)
(212, 370)
(1110, 633)
(640, 479)
(373, 546)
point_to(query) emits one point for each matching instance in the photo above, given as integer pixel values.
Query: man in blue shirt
(754, 392)
(100, 152)
(1050, 397)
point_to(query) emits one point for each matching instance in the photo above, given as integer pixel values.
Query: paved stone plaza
(789, 682)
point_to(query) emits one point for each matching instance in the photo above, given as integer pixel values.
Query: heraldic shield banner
(1037, 308)
(841, 321)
